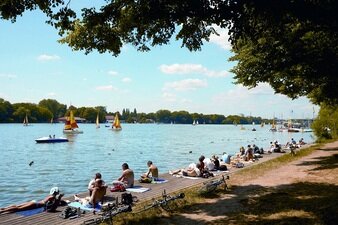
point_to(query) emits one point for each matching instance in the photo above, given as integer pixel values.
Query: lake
(72, 164)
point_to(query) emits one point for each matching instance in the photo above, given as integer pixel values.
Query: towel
(138, 189)
(30, 212)
(191, 178)
(159, 181)
(83, 207)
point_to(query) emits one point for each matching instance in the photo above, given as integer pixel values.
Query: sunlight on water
(71, 165)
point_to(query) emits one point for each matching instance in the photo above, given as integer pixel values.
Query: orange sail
(70, 122)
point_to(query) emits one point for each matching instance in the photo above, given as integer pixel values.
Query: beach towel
(191, 178)
(138, 189)
(31, 212)
(159, 181)
(85, 208)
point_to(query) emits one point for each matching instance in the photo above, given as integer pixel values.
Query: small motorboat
(51, 140)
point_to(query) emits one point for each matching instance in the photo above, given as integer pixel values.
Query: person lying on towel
(51, 202)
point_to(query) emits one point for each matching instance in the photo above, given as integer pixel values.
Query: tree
(325, 126)
(6, 111)
(57, 109)
(292, 45)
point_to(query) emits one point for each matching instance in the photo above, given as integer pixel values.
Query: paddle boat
(51, 140)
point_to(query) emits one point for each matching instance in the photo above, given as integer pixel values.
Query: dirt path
(296, 193)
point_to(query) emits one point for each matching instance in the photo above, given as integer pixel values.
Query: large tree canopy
(290, 44)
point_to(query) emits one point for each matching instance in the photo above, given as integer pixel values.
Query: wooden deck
(174, 184)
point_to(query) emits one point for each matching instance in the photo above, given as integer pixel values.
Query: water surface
(71, 165)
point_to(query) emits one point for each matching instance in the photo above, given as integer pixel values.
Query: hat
(54, 190)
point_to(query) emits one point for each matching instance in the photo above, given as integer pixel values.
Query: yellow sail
(25, 120)
(117, 124)
(70, 122)
(97, 121)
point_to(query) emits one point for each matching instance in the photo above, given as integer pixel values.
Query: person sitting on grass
(99, 191)
(51, 202)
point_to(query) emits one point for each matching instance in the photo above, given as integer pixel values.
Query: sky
(34, 66)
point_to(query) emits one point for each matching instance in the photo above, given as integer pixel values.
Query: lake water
(71, 165)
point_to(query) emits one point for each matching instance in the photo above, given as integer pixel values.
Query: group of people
(96, 188)
(203, 168)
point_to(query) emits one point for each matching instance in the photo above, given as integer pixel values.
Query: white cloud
(7, 75)
(113, 73)
(51, 94)
(185, 101)
(191, 68)
(185, 85)
(211, 73)
(169, 97)
(182, 68)
(45, 57)
(260, 101)
(126, 80)
(222, 39)
(106, 88)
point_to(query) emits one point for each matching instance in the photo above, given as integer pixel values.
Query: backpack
(145, 180)
(51, 205)
(223, 167)
(127, 198)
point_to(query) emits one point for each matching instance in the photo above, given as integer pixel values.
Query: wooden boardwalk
(174, 184)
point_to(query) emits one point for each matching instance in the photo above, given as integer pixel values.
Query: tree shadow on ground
(300, 203)
(323, 163)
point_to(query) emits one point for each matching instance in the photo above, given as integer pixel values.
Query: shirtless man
(127, 177)
(34, 205)
(97, 196)
(152, 171)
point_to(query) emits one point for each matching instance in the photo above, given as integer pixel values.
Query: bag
(51, 205)
(223, 167)
(239, 165)
(127, 198)
(117, 187)
(145, 180)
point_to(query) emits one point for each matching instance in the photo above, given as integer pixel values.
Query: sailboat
(116, 124)
(194, 123)
(71, 125)
(273, 126)
(253, 126)
(25, 120)
(97, 121)
(51, 120)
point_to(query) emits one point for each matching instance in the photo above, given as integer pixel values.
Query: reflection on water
(70, 165)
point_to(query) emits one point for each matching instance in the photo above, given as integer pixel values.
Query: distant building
(77, 119)
(110, 119)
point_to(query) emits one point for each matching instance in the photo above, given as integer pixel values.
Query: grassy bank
(299, 203)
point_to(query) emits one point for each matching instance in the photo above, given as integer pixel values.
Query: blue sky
(34, 66)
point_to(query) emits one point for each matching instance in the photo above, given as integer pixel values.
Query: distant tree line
(50, 109)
